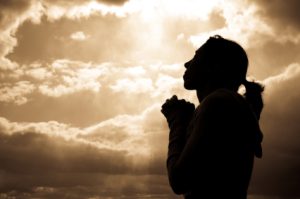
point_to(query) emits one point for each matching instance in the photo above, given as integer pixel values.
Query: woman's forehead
(199, 50)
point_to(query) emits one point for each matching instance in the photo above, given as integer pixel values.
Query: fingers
(174, 106)
(169, 104)
(174, 97)
(175, 103)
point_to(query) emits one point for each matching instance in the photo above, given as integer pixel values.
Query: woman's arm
(178, 114)
(184, 156)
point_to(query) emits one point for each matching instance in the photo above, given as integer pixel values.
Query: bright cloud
(141, 85)
(79, 36)
(242, 24)
(17, 92)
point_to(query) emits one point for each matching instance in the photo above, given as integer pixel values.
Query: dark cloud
(118, 2)
(55, 167)
(271, 58)
(32, 153)
(67, 3)
(14, 4)
(50, 165)
(278, 173)
(282, 14)
(84, 185)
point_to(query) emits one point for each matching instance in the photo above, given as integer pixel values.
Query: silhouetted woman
(212, 148)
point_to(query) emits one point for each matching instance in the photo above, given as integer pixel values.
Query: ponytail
(253, 96)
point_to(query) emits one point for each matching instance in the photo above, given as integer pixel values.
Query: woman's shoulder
(223, 97)
(222, 103)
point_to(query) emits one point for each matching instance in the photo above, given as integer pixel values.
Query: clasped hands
(178, 110)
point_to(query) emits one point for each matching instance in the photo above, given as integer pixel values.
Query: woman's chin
(188, 85)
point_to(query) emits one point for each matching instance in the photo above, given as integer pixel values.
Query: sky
(82, 83)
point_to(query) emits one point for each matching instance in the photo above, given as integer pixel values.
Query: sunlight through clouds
(82, 83)
(242, 23)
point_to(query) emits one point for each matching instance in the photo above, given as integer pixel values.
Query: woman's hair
(254, 97)
(228, 62)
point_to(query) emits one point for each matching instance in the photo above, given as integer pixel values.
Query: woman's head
(217, 63)
(222, 63)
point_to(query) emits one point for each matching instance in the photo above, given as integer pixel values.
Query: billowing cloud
(16, 93)
(97, 91)
(14, 13)
(53, 155)
(129, 135)
(242, 24)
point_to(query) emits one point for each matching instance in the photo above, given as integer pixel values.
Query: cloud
(242, 25)
(127, 139)
(79, 36)
(38, 73)
(44, 42)
(144, 133)
(66, 3)
(104, 187)
(291, 71)
(264, 61)
(278, 172)
(141, 85)
(16, 93)
(162, 22)
(241, 21)
(126, 135)
(14, 13)
(117, 2)
(38, 153)
(130, 132)
(62, 77)
(56, 156)
(55, 10)
(281, 13)
(82, 184)
(67, 77)
(281, 18)
(65, 90)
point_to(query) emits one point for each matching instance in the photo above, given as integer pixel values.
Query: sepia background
(82, 83)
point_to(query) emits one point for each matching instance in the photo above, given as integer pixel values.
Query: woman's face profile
(194, 76)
